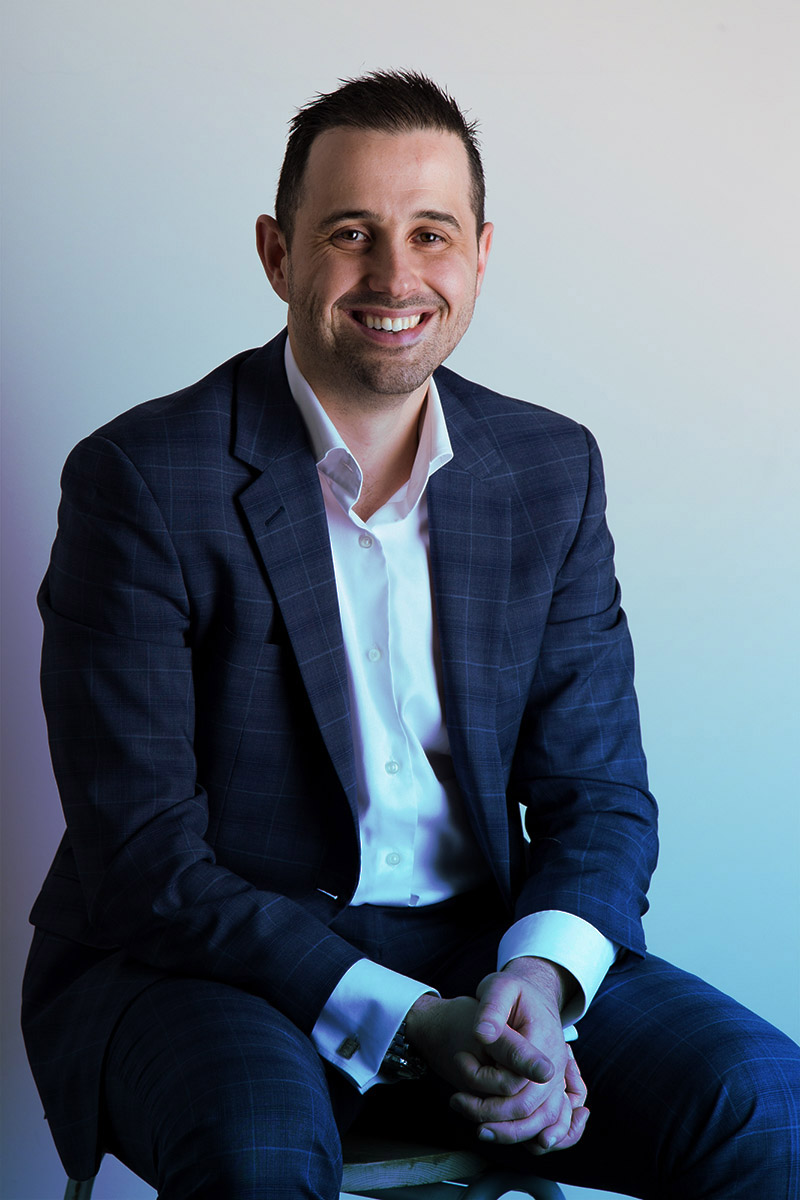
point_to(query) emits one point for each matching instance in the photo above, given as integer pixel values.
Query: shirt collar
(335, 460)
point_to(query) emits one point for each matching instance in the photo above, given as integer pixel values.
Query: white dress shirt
(417, 845)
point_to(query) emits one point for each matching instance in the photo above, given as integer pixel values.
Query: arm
(578, 769)
(580, 774)
(119, 689)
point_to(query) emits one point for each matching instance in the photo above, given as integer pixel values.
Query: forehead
(391, 174)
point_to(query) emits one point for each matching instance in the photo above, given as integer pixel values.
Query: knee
(210, 1092)
(265, 1140)
(757, 1074)
(749, 1109)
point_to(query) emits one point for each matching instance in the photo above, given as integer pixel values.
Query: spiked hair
(384, 101)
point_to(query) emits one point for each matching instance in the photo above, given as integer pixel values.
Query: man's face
(384, 233)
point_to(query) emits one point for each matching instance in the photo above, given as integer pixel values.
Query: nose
(390, 268)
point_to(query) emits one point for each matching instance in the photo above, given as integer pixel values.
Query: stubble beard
(371, 378)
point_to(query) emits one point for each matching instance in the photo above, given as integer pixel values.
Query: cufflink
(350, 1046)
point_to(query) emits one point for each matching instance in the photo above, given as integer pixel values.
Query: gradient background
(643, 178)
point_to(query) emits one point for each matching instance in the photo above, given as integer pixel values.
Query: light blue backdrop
(643, 178)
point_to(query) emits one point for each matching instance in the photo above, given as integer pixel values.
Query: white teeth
(391, 325)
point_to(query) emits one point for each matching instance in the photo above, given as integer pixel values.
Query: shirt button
(392, 859)
(374, 654)
(391, 767)
(365, 540)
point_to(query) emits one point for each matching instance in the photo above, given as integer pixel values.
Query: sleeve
(362, 1015)
(570, 942)
(579, 769)
(118, 692)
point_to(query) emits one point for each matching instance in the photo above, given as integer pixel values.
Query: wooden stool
(390, 1170)
(404, 1171)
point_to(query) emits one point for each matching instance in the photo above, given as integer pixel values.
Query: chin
(384, 384)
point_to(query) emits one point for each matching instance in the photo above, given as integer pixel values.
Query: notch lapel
(284, 509)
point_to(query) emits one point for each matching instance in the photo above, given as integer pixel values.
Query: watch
(399, 1061)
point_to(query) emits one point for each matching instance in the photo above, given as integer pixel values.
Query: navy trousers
(210, 1092)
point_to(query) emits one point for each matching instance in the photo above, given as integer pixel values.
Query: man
(316, 627)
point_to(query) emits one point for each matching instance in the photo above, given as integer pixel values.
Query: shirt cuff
(570, 942)
(360, 1018)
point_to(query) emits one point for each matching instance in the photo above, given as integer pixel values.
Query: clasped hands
(504, 1054)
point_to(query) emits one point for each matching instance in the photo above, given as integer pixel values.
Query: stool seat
(374, 1162)
(391, 1170)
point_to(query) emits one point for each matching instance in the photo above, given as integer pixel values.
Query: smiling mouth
(389, 324)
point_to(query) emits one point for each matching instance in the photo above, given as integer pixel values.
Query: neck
(385, 444)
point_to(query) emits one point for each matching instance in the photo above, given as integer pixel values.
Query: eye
(351, 237)
(429, 238)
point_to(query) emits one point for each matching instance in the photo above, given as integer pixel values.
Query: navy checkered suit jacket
(195, 686)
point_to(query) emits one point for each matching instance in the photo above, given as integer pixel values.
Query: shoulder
(191, 410)
(196, 428)
(160, 451)
(517, 429)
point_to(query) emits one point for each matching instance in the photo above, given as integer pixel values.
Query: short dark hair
(385, 101)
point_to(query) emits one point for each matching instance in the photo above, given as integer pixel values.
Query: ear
(484, 246)
(271, 246)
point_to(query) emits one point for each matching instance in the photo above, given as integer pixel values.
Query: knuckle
(512, 1109)
(526, 1105)
(504, 1086)
(561, 1127)
(522, 1062)
(511, 1132)
(553, 1112)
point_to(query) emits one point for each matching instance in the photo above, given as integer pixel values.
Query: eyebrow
(366, 214)
(442, 218)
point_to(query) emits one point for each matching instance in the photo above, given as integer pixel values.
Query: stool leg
(79, 1189)
(496, 1183)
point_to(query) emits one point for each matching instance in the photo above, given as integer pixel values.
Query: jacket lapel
(470, 539)
(285, 511)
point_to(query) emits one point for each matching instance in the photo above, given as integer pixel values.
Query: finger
(487, 1079)
(573, 1080)
(549, 1137)
(497, 995)
(534, 1100)
(483, 1109)
(577, 1125)
(524, 1129)
(521, 1057)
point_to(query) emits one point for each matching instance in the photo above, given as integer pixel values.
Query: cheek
(457, 284)
(327, 284)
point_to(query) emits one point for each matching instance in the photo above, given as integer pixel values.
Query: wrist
(416, 1018)
(555, 982)
(406, 1057)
